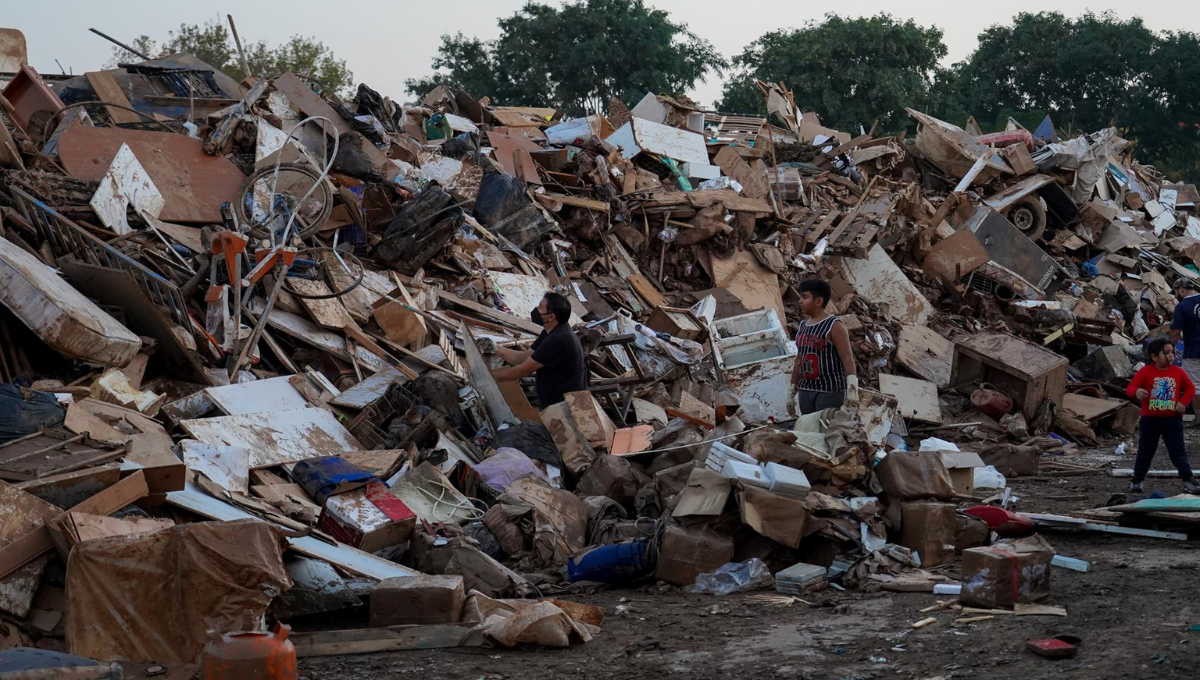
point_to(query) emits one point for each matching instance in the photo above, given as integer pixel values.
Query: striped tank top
(821, 367)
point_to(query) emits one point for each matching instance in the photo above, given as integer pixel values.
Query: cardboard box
(929, 530)
(961, 466)
(369, 519)
(417, 600)
(779, 518)
(1019, 158)
(914, 476)
(678, 322)
(1001, 575)
(687, 553)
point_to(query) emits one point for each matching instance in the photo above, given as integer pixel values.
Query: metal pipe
(1004, 293)
(120, 44)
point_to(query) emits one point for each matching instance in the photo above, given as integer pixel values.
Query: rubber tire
(1028, 215)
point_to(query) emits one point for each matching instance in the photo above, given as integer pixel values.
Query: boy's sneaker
(1136, 487)
(1191, 486)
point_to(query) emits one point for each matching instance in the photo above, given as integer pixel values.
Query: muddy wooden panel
(118, 288)
(279, 437)
(193, 184)
(926, 353)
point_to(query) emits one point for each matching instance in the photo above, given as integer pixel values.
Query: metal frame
(67, 238)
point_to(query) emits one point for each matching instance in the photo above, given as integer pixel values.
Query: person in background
(1185, 325)
(555, 359)
(1164, 391)
(824, 375)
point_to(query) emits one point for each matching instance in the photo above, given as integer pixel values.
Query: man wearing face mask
(555, 359)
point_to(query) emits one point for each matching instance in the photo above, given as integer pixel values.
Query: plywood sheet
(925, 353)
(259, 396)
(755, 285)
(956, 256)
(277, 438)
(878, 279)
(916, 399)
(193, 184)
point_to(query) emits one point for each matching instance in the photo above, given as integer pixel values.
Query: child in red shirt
(1165, 392)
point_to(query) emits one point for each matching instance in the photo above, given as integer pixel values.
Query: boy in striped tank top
(824, 375)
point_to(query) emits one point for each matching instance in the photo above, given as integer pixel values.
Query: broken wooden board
(329, 312)
(226, 466)
(694, 411)
(952, 258)
(1091, 409)
(193, 184)
(754, 183)
(916, 399)
(310, 333)
(493, 314)
(258, 396)
(23, 513)
(370, 389)
(107, 90)
(351, 559)
(277, 438)
(482, 380)
(375, 462)
(925, 353)
(878, 279)
(755, 285)
(373, 640)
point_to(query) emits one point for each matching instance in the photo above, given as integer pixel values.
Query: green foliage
(1088, 73)
(575, 57)
(213, 44)
(850, 71)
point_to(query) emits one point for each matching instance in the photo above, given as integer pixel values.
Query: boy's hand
(1180, 407)
(1141, 394)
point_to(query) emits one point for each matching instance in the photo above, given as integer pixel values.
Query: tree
(850, 71)
(1092, 72)
(213, 44)
(575, 57)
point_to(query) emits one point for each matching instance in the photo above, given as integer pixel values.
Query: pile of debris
(247, 340)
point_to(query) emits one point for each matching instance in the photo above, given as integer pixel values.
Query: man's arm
(514, 357)
(841, 341)
(517, 372)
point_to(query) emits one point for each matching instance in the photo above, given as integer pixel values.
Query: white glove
(792, 408)
(852, 390)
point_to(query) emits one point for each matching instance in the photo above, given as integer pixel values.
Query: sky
(385, 42)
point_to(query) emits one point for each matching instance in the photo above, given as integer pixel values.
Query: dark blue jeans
(811, 401)
(1170, 430)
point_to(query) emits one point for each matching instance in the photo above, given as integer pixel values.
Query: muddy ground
(1137, 611)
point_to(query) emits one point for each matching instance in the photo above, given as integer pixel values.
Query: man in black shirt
(555, 358)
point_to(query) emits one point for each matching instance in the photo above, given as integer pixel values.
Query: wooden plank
(372, 640)
(823, 226)
(328, 313)
(647, 290)
(755, 285)
(369, 389)
(107, 90)
(340, 555)
(484, 383)
(916, 399)
(37, 542)
(1090, 409)
(276, 438)
(925, 353)
(259, 396)
(494, 314)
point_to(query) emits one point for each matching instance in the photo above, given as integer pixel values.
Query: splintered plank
(107, 90)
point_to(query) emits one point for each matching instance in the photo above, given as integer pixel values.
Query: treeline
(1087, 72)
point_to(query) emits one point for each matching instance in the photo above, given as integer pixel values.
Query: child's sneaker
(1191, 486)
(1136, 487)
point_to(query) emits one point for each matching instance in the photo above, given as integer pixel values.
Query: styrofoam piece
(787, 481)
(746, 473)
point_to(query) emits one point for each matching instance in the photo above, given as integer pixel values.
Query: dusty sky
(386, 42)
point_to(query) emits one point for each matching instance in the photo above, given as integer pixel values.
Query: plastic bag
(988, 477)
(734, 577)
(500, 195)
(24, 411)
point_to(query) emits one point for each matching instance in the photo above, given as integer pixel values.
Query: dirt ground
(1136, 611)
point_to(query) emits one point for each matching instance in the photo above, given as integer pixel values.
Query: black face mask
(536, 316)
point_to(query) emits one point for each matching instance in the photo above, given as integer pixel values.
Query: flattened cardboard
(776, 517)
(704, 496)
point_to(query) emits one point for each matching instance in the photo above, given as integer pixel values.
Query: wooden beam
(493, 314)
(372, 640)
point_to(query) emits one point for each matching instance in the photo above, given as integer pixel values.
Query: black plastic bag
(500, 195)
(24, 412)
